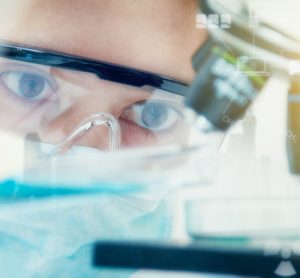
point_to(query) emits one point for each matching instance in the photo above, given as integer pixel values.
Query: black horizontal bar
(190, 258)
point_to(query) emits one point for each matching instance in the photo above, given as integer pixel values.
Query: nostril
(90, 124)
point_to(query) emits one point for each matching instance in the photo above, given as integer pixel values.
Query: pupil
(31, 85)
(154, 114)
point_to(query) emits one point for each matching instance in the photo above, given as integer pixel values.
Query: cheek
(134, 136)
(21, 118)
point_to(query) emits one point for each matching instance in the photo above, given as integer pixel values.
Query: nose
(101, 125)
(90, 121)
(87, 110)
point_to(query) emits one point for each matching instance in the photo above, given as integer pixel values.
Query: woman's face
(158, 37)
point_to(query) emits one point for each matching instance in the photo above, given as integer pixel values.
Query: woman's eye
(29, 86)
(153, 115)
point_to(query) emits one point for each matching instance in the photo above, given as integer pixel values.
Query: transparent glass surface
(52, 103)
(68, 122)
(254, 201)
(84, 159)
(244, 223)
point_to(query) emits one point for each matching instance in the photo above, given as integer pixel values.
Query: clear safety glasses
(67, 100)
(72, 114)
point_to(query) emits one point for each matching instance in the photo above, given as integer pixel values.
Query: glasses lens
(53, 103)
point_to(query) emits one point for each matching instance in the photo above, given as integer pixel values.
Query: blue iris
(154, 114)
(31, 85)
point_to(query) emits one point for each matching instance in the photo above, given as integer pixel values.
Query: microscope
(240, 55)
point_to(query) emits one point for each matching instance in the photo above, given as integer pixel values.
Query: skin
(144, 34)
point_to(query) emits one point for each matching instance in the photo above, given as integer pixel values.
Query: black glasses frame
(107, 71)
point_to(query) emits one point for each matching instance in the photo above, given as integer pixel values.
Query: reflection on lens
(153, 115)
(53, 102)
(26, 85)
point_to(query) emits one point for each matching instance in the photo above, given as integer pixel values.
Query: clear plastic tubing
(95, 121)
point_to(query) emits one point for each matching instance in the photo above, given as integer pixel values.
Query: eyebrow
(104, 70)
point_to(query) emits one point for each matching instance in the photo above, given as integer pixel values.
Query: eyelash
(18, 68)
(150, 131)
(137, 122)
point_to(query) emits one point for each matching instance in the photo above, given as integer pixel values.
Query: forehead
(151, 35)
